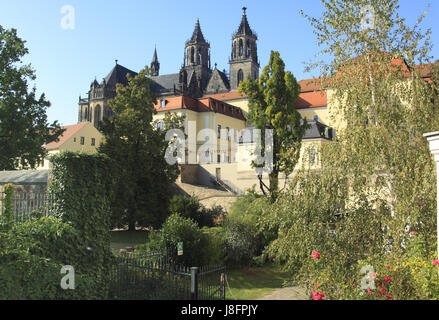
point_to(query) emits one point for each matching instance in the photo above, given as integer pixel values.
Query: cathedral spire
(197, 36)
(244, 27)
(155, 64)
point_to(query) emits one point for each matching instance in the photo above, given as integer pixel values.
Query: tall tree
(271, 106)
(23, 121)
(378, 180)
(138, 148)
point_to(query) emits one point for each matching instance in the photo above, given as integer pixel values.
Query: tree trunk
(132, 226)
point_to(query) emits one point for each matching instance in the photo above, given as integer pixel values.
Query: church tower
(244, 60)
(196, 72)
(155, 64)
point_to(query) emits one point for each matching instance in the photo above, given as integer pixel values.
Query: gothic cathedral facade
(195, 79)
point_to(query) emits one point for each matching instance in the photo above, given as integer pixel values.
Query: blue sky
(67, 61)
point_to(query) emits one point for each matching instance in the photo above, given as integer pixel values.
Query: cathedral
(196, 78)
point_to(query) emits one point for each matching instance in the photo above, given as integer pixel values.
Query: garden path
(288, 293)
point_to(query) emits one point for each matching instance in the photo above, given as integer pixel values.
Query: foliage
(23, 121)
(30, 277)
(81, 191)
(377, 178)
(271, 106)
(190, 207)
(32, 254)
(187, 207)
(9, 191)
(138, 149)
(248, 210)
(198, 249)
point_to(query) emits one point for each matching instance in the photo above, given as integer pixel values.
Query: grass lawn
(254, 283)
(129, 237)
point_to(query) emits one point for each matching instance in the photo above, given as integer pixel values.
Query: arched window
(247, 54)
(97, 116)
(240, 76)
(241, 48)
(192, 55)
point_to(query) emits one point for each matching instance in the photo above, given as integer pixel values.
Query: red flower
(387, 279)
(316, 255)
(380, 293)
(317, 295)
(369, 291)
(389, 296)
(435, 262)
(388, 268)
(379, 284)
(384, 289)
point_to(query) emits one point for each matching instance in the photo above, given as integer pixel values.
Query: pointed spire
(244, 27)
(155, 64)
(154, 57)
(197, 36)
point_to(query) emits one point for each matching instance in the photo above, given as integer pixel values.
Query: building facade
(210, 99)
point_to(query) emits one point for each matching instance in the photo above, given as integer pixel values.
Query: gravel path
(288, 293)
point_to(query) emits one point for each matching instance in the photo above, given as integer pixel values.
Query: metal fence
(156, 277)
(27, 205)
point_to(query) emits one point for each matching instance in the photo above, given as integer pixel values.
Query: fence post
(194, 283)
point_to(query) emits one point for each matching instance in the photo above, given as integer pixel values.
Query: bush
(31, 277)
(187, 207)
(32, 255)
(240, 242)
(81, 190)
(192, 209)
(244, 235)
(198, 249)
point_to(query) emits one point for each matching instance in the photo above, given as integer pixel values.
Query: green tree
(138, 148)
(23, 121)
(378, 179)
(271, 106)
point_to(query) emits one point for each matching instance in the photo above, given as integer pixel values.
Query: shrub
(187, 207)
(240, 242)
(245, 235)
(192, 209)
(198, 249)
(32, 254)
(31, 277)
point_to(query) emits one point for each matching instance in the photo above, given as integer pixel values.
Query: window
(160, 125)
(162, 103)
(241, 47)
(312, 156)
(219, 131)
(316, 118)
(235, 135)
(93, 141)
(82, 140)
(240, 76)
(74, 139)
(227, 133)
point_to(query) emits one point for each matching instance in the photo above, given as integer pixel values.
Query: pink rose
(435, 262)
(316, 255)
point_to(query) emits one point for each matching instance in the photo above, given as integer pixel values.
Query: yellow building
(81, 137)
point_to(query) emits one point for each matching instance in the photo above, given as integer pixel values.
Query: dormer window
(162, 104)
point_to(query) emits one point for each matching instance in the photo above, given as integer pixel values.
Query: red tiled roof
(232, 95)
(67, 134)
(207, 104)
(311, 100)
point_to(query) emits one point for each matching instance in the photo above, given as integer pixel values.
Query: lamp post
(433, 140)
